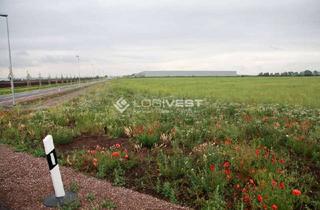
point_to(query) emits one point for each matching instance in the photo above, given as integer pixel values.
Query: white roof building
(185, 73)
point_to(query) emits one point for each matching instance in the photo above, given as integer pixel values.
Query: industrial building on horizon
(185, 73)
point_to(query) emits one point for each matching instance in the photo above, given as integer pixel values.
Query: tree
(307, 73)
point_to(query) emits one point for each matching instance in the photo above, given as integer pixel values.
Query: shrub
(147, 140)
(63, 136)
(168, 192)
(106, 164)
(118, 175)
(215, 201)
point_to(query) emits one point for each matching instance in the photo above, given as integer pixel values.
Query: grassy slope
(293, 91)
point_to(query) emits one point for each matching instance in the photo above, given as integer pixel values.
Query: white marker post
(60, 196)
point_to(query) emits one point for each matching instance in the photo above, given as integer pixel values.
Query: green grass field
(261, 153)
(283, 90)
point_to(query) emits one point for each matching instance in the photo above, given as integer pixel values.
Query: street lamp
(78, 57)
(10, 66)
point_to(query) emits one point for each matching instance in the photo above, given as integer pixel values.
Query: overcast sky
(117, 37)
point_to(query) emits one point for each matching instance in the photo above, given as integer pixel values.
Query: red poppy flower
(259, 198)
(227, 171)
(274, 183)
(226, 164)
(296, 192)
(115, 154)
(282, 161)
(212, 167)
(257, 152)
(126, 156)
(281, 185)
(274, 207)
(117, 145)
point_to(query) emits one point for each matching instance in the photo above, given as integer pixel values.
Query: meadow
(252, 144)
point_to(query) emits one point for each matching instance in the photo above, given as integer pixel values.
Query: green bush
(118, 175)
(169, 192)
(147, 140)
(63, 136)
(106, 166)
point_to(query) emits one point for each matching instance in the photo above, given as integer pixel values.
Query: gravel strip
(25, 182)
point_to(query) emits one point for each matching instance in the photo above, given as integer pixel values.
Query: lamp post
(10, 65)
(78, 57)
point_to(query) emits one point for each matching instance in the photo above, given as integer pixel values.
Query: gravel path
(25, 182)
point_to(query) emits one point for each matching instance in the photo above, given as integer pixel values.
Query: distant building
(185, 73)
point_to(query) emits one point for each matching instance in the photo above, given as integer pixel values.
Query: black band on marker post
(50, 163)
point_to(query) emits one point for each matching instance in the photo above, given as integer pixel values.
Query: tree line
(290, 73)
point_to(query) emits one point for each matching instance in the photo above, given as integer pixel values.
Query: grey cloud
(58, 59)
(128, 35)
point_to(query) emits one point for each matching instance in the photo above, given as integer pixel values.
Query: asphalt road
(6, 100)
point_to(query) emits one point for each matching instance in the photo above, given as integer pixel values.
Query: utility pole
(10, 65)
(40, 80)
(28, 79)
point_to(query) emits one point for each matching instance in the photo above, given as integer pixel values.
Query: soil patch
(91, 142)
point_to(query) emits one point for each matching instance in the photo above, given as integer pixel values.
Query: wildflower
(274, 183)
(117, 145)
(212, 167)
(274, 207)
(227, 141)
(227, 172)
(238, 186)
(251, 181)
(259, 198)
(257, 152)
(281, 185)
(296, 192)
(95, 162)
(276, 125)
(246, 198)
(115, 154)
(126, 156)
(226, 164)
(93, 152)
(282, 161)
